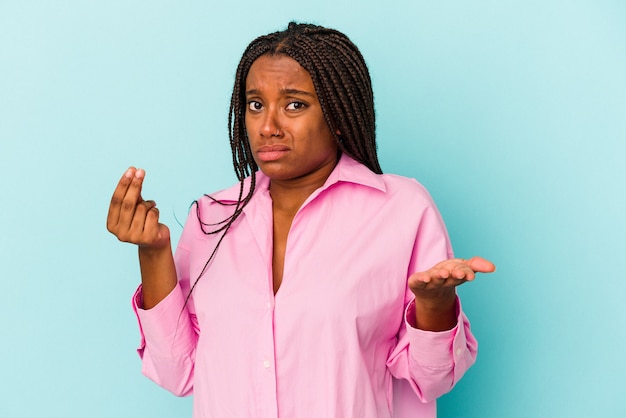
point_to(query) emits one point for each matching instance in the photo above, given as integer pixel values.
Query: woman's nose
(270, 125)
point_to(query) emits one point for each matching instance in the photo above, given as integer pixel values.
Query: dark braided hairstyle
(344, 90)
(342, 83)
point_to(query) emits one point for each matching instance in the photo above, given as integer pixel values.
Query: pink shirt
(337, 339)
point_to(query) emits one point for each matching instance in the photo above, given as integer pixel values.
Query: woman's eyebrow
(296, 92)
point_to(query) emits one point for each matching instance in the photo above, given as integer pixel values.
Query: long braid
(344, 89)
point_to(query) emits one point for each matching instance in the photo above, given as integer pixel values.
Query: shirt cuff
(166, 328)
(436, 350)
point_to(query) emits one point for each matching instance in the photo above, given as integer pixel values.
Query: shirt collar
(351, 171)
(347, 170)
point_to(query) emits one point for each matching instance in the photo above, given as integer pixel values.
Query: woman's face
(288, 134)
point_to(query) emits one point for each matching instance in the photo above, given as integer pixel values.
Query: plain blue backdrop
(512, 114)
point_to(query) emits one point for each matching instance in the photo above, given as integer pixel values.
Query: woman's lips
(271, 152)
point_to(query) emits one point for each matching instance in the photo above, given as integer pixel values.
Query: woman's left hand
(434, 290)
(446, 275)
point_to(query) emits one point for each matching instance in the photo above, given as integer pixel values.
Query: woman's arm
(135, 220)
(169, 331)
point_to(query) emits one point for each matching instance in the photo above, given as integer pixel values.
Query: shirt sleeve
(430, 362)
(169, 332)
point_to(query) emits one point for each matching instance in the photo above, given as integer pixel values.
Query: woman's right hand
(133, 219)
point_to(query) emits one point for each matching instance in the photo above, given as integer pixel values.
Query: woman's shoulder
(214, 207)
(209, 213)
(350, 170)
(226, 197)
(405, 187)
(221, 197)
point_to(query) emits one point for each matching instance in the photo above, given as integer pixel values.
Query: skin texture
(292, 144)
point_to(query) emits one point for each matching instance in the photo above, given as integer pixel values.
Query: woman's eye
(296, 106)
(254, 106)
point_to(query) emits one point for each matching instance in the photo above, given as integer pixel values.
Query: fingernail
(129, 173)
(139, 173)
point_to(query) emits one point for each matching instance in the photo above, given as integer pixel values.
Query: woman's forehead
(281, 71)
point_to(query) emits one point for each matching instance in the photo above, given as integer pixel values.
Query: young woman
(317, 286)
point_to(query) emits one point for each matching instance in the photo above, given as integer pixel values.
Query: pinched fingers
(130, 218)
(148, 230)
(132, 197)
(141, 211)
(121, 198)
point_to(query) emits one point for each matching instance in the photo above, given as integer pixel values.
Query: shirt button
(269, 305)
(266, 364)
(459, 351)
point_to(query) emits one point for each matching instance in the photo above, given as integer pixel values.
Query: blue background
(512, 113)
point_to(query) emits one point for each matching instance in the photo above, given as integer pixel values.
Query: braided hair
(344, 90)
